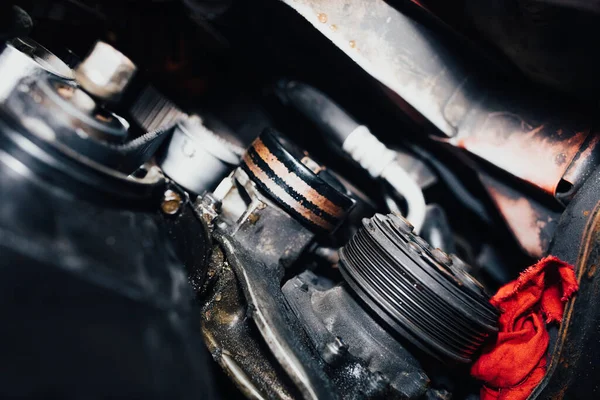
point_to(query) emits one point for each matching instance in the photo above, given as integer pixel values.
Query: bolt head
(171, 202)
(401, 223)
(441, 257)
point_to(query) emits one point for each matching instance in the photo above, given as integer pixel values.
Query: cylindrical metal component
(47, 129)
(299, 185)
(196, 158)
(105, 72)
(22, 57)
(417, 290)
(67, 117)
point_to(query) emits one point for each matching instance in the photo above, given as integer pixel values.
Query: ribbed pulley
(419, 292)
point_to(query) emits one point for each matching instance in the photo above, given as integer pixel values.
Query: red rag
(515, 363)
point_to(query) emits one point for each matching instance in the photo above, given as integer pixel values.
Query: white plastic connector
(380, 162)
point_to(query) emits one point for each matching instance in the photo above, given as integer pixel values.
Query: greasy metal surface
(190, 236)
(573, 368)
(232, 338)
(259, 239)
(69, 130)
(424, 295)
(531, 223)
(331, 314)
(511, 127)
(28, 149)
(260, 225)
(282, 333)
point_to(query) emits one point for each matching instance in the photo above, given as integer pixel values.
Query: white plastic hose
(380, 162)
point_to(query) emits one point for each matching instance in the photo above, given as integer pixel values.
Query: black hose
(317, 107)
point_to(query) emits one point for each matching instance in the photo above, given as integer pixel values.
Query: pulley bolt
(441, 257)
(401, 223)
(171, 202)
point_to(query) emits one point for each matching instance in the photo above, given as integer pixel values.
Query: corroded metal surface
(573, 368)
(512, 127)
(537, 152)
(283, 172)
(370, 33)
(531, 223)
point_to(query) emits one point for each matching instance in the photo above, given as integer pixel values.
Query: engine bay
(286, 199)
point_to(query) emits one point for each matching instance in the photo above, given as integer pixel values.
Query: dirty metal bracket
(282, 333)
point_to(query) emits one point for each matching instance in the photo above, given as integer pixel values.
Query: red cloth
(515, 363)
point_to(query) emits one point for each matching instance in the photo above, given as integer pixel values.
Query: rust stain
(295, 182)
(592, 271)
(525, 222)
(531, 153)
(253, 218)
(572, 170)
(561, 395)
(284, 196)
(586, 213)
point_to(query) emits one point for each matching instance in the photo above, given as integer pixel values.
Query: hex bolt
(441, 257)
(208, 207)
(171, 202)
(423, 243)
(415, 247)
(401, 223)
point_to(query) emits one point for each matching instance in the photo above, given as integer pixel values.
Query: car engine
(292, 199)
